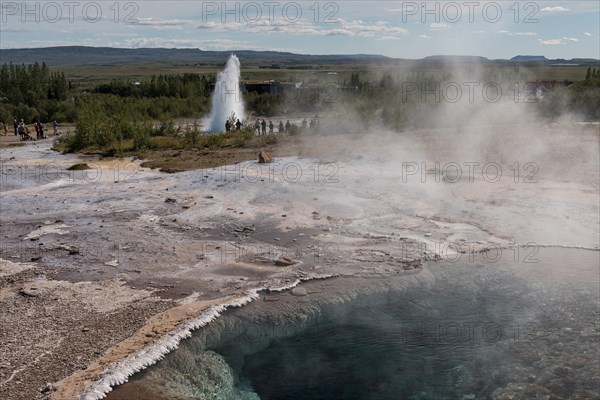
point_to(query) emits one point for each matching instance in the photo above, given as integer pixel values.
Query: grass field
(88, 76)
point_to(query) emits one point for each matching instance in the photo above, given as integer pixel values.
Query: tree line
(182, 86)
(33, 91)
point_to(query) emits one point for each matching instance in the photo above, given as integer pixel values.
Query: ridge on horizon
(89, 55)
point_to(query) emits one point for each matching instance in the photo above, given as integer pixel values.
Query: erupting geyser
(227, 97)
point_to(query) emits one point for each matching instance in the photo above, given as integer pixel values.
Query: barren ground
(99, 264)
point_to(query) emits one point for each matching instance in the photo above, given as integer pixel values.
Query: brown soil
(48, 331)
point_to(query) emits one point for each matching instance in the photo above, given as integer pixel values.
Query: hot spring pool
(471, 329)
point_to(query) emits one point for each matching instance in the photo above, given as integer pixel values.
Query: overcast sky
(501, 29)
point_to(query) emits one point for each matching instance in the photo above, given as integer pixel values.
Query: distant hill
(558, 61)
(456, 58)
(106, 56)
(529, 58)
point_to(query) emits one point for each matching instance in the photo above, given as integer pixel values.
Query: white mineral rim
(120, 372)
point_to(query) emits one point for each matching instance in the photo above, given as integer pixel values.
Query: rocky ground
(101, 263)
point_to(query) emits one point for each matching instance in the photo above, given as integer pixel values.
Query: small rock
(284, 262)
(47, 388)
(427, 234)
(264, 157)
(30, 292)
(299, 291)
(170, 200)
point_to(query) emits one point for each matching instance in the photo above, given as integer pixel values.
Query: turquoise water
(470, 330)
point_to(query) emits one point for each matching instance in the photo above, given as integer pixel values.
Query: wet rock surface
(114, 230)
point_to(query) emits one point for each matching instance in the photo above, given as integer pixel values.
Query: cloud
(339, 32)
(160, 23)
(204, 44)
(353, 28)
(509, 33)
(383, 28)
(557, 9)
(587, 34)
(571, 39)
(436, 26)
(550, 42)
(159, 42)
(115, 34)
(55, 43)
(13, 30)
(424, 37)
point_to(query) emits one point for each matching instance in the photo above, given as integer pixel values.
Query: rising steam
(227, 97)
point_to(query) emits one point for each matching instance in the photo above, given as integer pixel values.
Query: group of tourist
(230, 125)
(260, 126)
(22, 130)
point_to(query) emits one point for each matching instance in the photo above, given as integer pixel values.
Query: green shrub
(78, 167)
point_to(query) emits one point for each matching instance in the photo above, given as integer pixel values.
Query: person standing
(257, 126)
(227, 126)
(281, 128)
(16, 126)
(238, 125)
(263, 124)
(287, 126)
(36, 126)
(22, 129)
(5, 127)
(41, 126)
(55, 127)
(271, 126)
